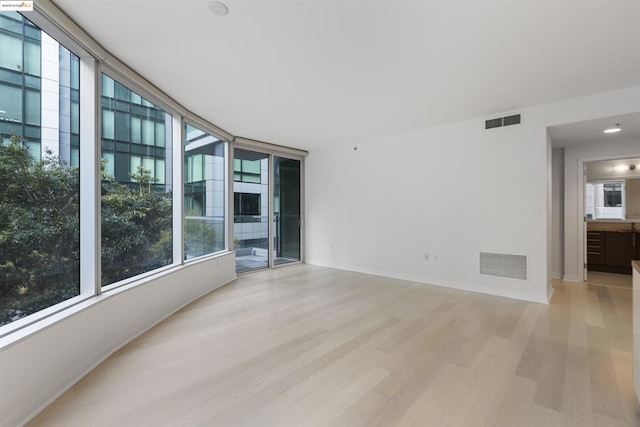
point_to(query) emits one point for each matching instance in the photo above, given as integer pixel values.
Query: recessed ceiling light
(218, 8)
(613, 130)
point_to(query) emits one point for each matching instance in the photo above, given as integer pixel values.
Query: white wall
(40, 363)
(557, 232)
(451, 191)
(549, 215)
(573, 228)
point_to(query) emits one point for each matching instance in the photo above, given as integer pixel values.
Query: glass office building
(39, 90)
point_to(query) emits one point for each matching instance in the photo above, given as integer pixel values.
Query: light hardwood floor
(312, 346)
(610, 279)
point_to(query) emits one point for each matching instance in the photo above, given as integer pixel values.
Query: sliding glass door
(286, 210)
(251, 209)
(267, 210)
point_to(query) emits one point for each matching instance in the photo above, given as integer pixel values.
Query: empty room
(319, 213)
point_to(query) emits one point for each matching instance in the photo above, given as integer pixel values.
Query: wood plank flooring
(312, 346)
(610, 279)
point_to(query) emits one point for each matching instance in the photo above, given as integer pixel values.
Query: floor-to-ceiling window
(204, 192)
(39, 173)
(136, 205)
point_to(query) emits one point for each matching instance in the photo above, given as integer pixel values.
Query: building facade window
(613, 194)
(246, 207)
(136, 196)
(247, 171)
(20, 80)
(39, 176)
(204, 192)
(134, 133)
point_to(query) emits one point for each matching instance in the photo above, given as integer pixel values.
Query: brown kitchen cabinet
(612, 251)
(620, 249)
(595, 247)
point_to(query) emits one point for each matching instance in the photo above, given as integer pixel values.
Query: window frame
(87, 191)
(272, 150)
(172, 155)
(204, 127)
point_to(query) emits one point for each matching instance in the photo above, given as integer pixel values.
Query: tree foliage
(39, 231)
(136, 228)
(40, 224)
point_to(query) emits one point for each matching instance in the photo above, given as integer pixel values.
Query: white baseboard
(499, 292)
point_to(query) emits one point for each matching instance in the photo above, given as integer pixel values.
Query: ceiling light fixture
(613, 130)
(218, 8)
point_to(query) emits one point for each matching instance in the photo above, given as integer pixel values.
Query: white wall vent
(502, 121)
(511, 120)
(503, 265)
(493, 123)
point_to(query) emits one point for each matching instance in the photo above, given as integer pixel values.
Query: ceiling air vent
(502, 121)
(493, 123)
(511, 120)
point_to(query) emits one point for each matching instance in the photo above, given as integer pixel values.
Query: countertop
(613, 225)
(616, 221)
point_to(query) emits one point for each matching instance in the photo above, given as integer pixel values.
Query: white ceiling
(591, 131)
(305, 73)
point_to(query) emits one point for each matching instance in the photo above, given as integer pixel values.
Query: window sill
(21, 329)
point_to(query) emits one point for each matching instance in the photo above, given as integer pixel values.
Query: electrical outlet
(426, 256)
(435, 258)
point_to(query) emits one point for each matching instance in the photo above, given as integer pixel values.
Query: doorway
(572, 145)
(612, 220)
(267, 209)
